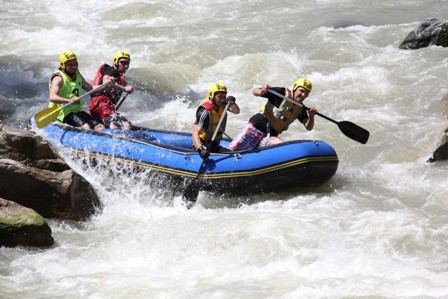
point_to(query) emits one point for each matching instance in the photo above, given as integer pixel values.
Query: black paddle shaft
(121, 100)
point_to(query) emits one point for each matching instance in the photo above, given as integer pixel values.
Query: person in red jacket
(104, 104)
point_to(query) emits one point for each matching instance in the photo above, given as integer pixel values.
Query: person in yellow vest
(66, 86)
(208, 115)
(275, 116)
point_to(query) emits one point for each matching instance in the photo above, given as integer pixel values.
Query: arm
(198, 127)
(128, 88)
(263, 91)
(309, 122)
(56, 84)
(260, 91)
(203, 151)
(195, 135)
(233, 107)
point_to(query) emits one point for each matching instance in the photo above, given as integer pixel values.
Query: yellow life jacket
(68, 90)
(213, 120)
(282, 116)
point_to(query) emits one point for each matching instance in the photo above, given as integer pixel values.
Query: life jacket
(113, 94)
(282, 116)
(213, 120)
(68, 90)
(98, 79)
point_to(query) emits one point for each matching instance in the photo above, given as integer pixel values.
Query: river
(377, 229)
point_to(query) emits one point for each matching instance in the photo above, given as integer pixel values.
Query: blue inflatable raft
(169, 157)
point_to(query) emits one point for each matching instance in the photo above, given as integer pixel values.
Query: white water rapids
(378, 229)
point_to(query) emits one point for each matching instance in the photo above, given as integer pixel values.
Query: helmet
(66, 56)
(121, 54)
(215, 88)
(303, 82)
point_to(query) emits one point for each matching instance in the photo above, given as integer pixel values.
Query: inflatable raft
(169, 157)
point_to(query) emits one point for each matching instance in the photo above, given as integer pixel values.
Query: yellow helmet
(66, 56)
(215, 88)
(121, 54)
(303, 82)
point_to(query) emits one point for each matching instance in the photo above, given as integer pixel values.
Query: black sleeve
(111, 71)
(273, 99)
(201, 117)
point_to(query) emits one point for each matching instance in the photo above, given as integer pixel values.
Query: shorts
(248, 138)
(101, 106)
(78, 119)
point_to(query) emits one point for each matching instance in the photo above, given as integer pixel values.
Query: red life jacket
(98, 79)
(103, 103)
(113, 94)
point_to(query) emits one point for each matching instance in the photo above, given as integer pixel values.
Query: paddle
(349, 129)
(220, 121)
(191, 192)
(49, 115)
(121, 100)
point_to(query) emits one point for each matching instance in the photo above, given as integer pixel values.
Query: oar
(191, 192)
(220, 121)
(349, 129)
(121, 100)
(49, 115)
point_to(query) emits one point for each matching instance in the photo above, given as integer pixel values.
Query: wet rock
(32, 175)
(441, 153)
(22, 226)
(428, 33)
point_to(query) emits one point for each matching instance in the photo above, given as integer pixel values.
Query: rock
(22, 226)
(445, 105)
(32, 175)
(441, 153)
(429, 32)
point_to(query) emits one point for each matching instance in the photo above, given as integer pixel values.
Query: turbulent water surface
(377, 229)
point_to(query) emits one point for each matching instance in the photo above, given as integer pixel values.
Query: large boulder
(33, 175)
(22, 226)
(429, 32)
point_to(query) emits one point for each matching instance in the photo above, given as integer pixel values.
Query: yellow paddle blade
(46, 116)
